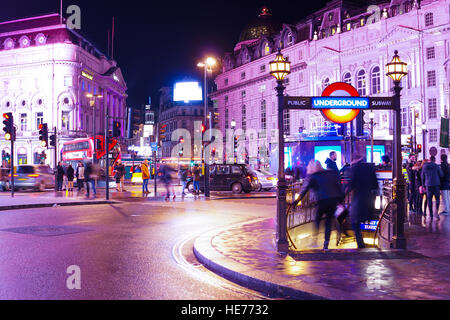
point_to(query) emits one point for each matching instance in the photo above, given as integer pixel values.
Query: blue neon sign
(340, 103)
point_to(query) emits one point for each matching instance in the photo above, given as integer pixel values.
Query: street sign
(342, 114)
(381, 103)
(297, 102)
(154, 146)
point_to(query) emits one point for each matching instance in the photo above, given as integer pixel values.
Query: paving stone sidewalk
(246, 254)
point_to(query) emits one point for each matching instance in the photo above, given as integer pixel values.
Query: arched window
(347, 78)
(361, 82)
(266, 50)
(375, 80)
(289, 39)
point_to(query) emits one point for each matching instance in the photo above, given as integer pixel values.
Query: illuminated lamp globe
(396, 69)
(280, 67)
(43, 144)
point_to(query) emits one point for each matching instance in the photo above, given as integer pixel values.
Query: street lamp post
(424, 140)
(396, 69)
(416, 116)
(371, 116)
(207, 65)
(233, 126)
(280, 68)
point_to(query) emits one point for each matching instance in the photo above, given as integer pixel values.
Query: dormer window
(24, 42)
(266, 49)
(8, 44)
(349, 26)
(289, 39)
(330, 17)
(362, 22)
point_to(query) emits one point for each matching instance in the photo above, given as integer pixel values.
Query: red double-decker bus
(83, 150)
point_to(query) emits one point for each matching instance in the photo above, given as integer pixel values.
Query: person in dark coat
(445, 185)
(59, 177)
(411, 182)
(418, 203)
(331, 162)
(328, 192)
(70, 175)
(431, 178)
(363, 182)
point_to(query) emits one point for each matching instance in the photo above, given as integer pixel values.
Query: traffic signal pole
(12, 163)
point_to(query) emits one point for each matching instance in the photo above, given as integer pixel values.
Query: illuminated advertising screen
(378, 152)
(321, 153)
(187, 91)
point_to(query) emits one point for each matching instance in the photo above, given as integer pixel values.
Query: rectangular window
(242, 75)
(263, 115)
(433, 135)
(23, 122)
(39, 119)
(286, 122)
(226, 99)
(430, 53)
(243, 94)
(226, 118)
(431, 78)
(429, 19)
(262, 68)
(432, 108)
(225, 82)
(404, 118)
(244, 117)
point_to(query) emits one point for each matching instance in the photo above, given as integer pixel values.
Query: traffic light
(181, 140)
(180, 153)
(409, 142)
(116, 129)
(43, 134)
(43, 157)
(419, 148)
(236, 139)
(8, 122)
(203, 128)
(162, 131)
(53, 140)
(213, 152)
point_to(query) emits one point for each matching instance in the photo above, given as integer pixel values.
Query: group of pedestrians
(329, 193)
(85, 176)
(428, 181)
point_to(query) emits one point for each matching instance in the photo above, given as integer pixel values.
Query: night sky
(160, 42)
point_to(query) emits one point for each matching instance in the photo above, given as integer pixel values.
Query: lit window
(349, 26)
(244, 117)
(266, 49)
(375, 80)
(362, 22)
(361, 82)
(39, 119)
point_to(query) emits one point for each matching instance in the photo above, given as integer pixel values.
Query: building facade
(182, 121)
(344, 41)
(46, 72)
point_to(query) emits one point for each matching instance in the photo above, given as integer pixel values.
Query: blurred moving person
(166, 178)
(327, 188)
(363, 182)
(182, 175)
(80, 175)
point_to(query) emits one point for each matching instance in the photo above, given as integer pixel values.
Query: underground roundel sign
(343, 108)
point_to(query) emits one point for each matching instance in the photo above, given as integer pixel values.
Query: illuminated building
(46, 71)
(344, 41)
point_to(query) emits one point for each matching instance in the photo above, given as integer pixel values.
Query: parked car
(38, 177)
(227, 177)
(266, 180)
(4, 179)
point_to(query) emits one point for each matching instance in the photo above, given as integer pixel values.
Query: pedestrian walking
(411, 182)
(90, 175)
(445, 185)
(418, 201)
(196, 179)
(80, 175)
(364, 185)
(59, 177)
(120, 176)
(145, 176)
(166, 178)
(328, 192)
(431, 178)
(70, 175)
(182, 175)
